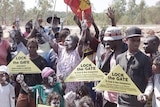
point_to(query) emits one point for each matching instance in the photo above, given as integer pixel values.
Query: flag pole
(53, 12)
(66, 14)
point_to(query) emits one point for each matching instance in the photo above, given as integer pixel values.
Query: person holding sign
(136, 64)
(153, 85)
(113, 38)
(24, 99)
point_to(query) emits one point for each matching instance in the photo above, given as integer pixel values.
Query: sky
(99, 5)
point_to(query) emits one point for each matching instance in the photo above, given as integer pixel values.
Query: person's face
(133, 44)
(28, 29)
(55, 102)
(106, 44)
(2, 77)
(40, 20)
(17, 37)
(110, 44)
(40, 39)
(55, 23)
(32, 48)
(69, 43)
(52, 79)
(55, 29)
(148, 46)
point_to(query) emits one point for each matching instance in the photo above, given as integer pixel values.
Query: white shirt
(7, 96)
(154, 85)
(111, 96)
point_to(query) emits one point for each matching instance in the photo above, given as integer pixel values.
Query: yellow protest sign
(22, 64)
(40, 105)
(118, 81)
(85, 71)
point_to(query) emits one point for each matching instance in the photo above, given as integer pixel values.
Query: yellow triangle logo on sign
(118, 81)
(85, 71)
(22, 64)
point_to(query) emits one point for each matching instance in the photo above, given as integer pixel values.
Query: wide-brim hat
(4, 68)
(112, 33)
(55, 19)
(133, 32)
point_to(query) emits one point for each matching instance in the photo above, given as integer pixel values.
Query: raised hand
(110, 13)
(142, 98)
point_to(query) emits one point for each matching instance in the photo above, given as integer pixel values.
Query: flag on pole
(77, 6)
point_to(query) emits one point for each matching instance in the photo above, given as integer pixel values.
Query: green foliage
(120, 9)
(125, 12)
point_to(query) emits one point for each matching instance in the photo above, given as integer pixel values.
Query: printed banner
(22, 64)
(85, 71)
(118, 81)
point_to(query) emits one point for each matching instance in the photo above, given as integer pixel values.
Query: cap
(4, 68)
(112, 33)
(55, 19)
(133, 32)
(46, 72)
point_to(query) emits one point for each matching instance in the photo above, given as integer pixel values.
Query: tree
(4, 9)
(132, 11)
(120, 9)
(141, 19)
(45, 5)
(17, 7)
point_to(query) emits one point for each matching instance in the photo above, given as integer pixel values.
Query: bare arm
(77, 21)
(21, 38)
(32, 33)
(54, 45)
(24, 86)
(111, 14)
(81, 43)
(95, 27)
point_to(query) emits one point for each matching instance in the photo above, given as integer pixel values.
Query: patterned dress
(67, 62)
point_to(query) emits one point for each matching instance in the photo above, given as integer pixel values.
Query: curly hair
(53, 96)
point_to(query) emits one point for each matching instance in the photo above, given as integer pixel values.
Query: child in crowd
(54, 99)
(153, 85)
(49, 85)
(7, 92)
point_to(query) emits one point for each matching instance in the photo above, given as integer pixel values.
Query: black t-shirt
(34, 79)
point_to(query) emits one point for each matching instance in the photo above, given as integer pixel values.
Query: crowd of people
(57, 52)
